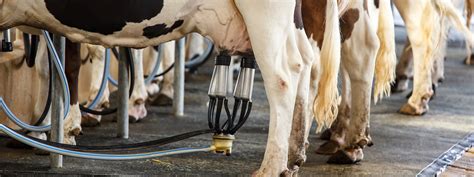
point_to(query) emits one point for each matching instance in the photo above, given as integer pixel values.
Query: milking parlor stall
(236, 87)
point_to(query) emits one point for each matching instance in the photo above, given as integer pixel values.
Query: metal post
(57, 112)
(178, 100)
(123, 86)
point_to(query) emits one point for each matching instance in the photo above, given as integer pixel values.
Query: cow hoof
(351, 156)
(40, 152)
(290, 173)
(441, 80)
(408, 109)
(89, 121)
(272, 171)
(469, 62)
(133, 119)
(328, 148)
(14, 144)
(162, 100)
(326, 135)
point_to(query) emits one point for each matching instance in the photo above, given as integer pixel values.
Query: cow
(28, 99)
(367, 41)
(469, 6)
(426, 28)
(244, 27)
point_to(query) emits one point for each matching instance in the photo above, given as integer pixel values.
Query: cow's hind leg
(337, 132)
(280, 62)
(404, 69)
(358, 58)
(301, 121)
(423, 34)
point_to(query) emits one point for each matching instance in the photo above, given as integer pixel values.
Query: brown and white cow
(367, 41)
(426, 27)
(268, 29)
(27, 99)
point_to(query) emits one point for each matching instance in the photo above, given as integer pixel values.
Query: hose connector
(223, 144)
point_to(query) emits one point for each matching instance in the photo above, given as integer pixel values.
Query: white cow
(426, 26)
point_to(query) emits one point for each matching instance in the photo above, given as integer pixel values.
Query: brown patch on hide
(347, 23)
(314, 18)
(314, 15)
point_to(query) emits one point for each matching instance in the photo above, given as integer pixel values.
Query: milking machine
(223, 132)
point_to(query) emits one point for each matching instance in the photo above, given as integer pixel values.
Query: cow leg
(281, 66)
(302, 118)
(94, 54)
(72, 126)
(358, 58)
(165, 96)
(42, 68)
(137, 110)
(438, 68)
(404, 69)
(420, 23)
(338, 129)
(150, 57)
(194, 45)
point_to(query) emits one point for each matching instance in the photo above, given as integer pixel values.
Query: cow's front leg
(72, 125)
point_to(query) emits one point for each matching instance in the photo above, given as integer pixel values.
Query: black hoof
(434, 92)
(409, 95)
(326, 135)
(341, 157)
(328, 148)
(162, 100)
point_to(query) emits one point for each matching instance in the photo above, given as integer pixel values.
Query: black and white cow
(271, 30)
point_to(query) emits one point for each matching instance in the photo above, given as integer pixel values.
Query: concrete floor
(403, 144)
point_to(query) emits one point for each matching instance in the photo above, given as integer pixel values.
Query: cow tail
(325, 104)
(386, 57)
(469, 10)
(447, 9)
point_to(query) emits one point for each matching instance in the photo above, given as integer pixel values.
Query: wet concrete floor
(403, 144)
